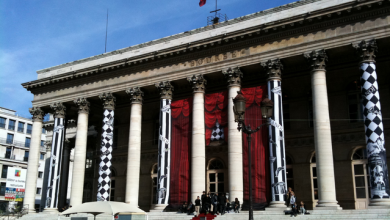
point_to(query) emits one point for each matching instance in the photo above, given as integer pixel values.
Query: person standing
(214, 201)
(222, 203)
(197, 205)
(204, 202)
(292, 198)
(289, 192)
(208, 203)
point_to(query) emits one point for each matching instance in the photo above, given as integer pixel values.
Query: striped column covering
(53, 188)
(164, 143)
(376, 152)
(276, 132)
(104, 180)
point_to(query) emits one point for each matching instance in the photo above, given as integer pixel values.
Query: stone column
(46, 174)
(164, 144)
(80, 153)
(57, 142)
(64, 173)
(375, 140)
(198, 148)
(322, 132)
(33, 160)
(277, 156)
(104, 180)
(235, 163)
(134, 149)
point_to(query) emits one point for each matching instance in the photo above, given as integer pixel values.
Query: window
(21, 127)
(216, 177)
(2, 122)
(28, 142)
(112, 187)
(42, 143)
(360, 178)
(39, 191)
(89, 160)
(40, 174)
(43, 131)
(313, 173)
(42, 156)
(8, 152)
(4, 171)
(286, 116)
(154, 184)
(2, 189)
(10, 138)
(11, 125)
(29, 128)
(26, 153)
(354, 100)
(289, 172)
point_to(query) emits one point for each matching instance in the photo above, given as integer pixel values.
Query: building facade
(15, 144)
(154, 123)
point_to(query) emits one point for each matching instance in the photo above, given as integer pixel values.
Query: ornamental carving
(197, 82)
(82, 104)
(233, 76)
(59, 109)
(367, 50)
(274, 69)
(48, 146)
(317, 59)
(166, 89)
(108, 100)
(66, 143)
(136, 95)
(37, 113)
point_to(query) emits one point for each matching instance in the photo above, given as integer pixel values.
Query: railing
(12, 128)
(2, 125)
(20, 129)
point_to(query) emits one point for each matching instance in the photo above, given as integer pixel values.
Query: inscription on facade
(216, 58)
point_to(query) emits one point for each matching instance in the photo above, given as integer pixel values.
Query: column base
(327, 205)
(158, 207)
(379, 204)
(277, 206)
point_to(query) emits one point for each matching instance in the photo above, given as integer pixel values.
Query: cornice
(263, 29)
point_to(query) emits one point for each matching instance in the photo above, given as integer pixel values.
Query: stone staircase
(243, 215)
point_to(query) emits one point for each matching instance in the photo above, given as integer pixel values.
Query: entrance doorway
(216, 178)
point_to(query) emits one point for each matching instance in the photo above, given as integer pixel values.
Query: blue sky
(36, 34)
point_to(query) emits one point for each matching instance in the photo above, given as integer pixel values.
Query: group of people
(210, 203)
(292, 201)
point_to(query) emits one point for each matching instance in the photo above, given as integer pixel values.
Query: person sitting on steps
(236, 206)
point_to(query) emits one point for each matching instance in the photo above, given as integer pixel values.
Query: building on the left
(15, 139)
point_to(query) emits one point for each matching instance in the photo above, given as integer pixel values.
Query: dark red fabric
(181, 151)
(259, 148)
(202, 2)
(215, 109)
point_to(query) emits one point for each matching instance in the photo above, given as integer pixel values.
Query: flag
(202, 2)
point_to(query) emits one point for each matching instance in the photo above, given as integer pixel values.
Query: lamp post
(239, 115)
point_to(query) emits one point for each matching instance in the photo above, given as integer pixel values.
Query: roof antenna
(217, 18)
(105, 46)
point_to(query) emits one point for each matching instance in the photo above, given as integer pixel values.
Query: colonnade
(322, 136)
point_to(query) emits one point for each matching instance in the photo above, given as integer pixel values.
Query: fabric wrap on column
(259, 149)
(104, 180)
(376, 152)
(276, 143)
(164, 151)
(55, 164)
(181, 152)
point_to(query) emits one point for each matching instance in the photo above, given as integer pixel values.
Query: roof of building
(302, 7)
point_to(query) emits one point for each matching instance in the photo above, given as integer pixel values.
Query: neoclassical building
(153, 124)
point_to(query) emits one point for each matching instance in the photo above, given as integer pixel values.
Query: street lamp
(239, 116)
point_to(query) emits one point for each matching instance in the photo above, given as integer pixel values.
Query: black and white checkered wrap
(55, 164)
(376, 152)
(276, 143)
(104, 180)
(217, 134)
(164, 149)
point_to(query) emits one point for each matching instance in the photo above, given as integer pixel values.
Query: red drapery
(259, 149)
(216, 109)
(181, 151)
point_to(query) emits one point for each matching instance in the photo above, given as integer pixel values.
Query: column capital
(136, 95)
(274, 69)
(233, 76)
(366, 50)
(108, 100)
(37, 113)
(198, 83)
(83, 104)
(166, 89)
(59, 109)
(317, 59)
